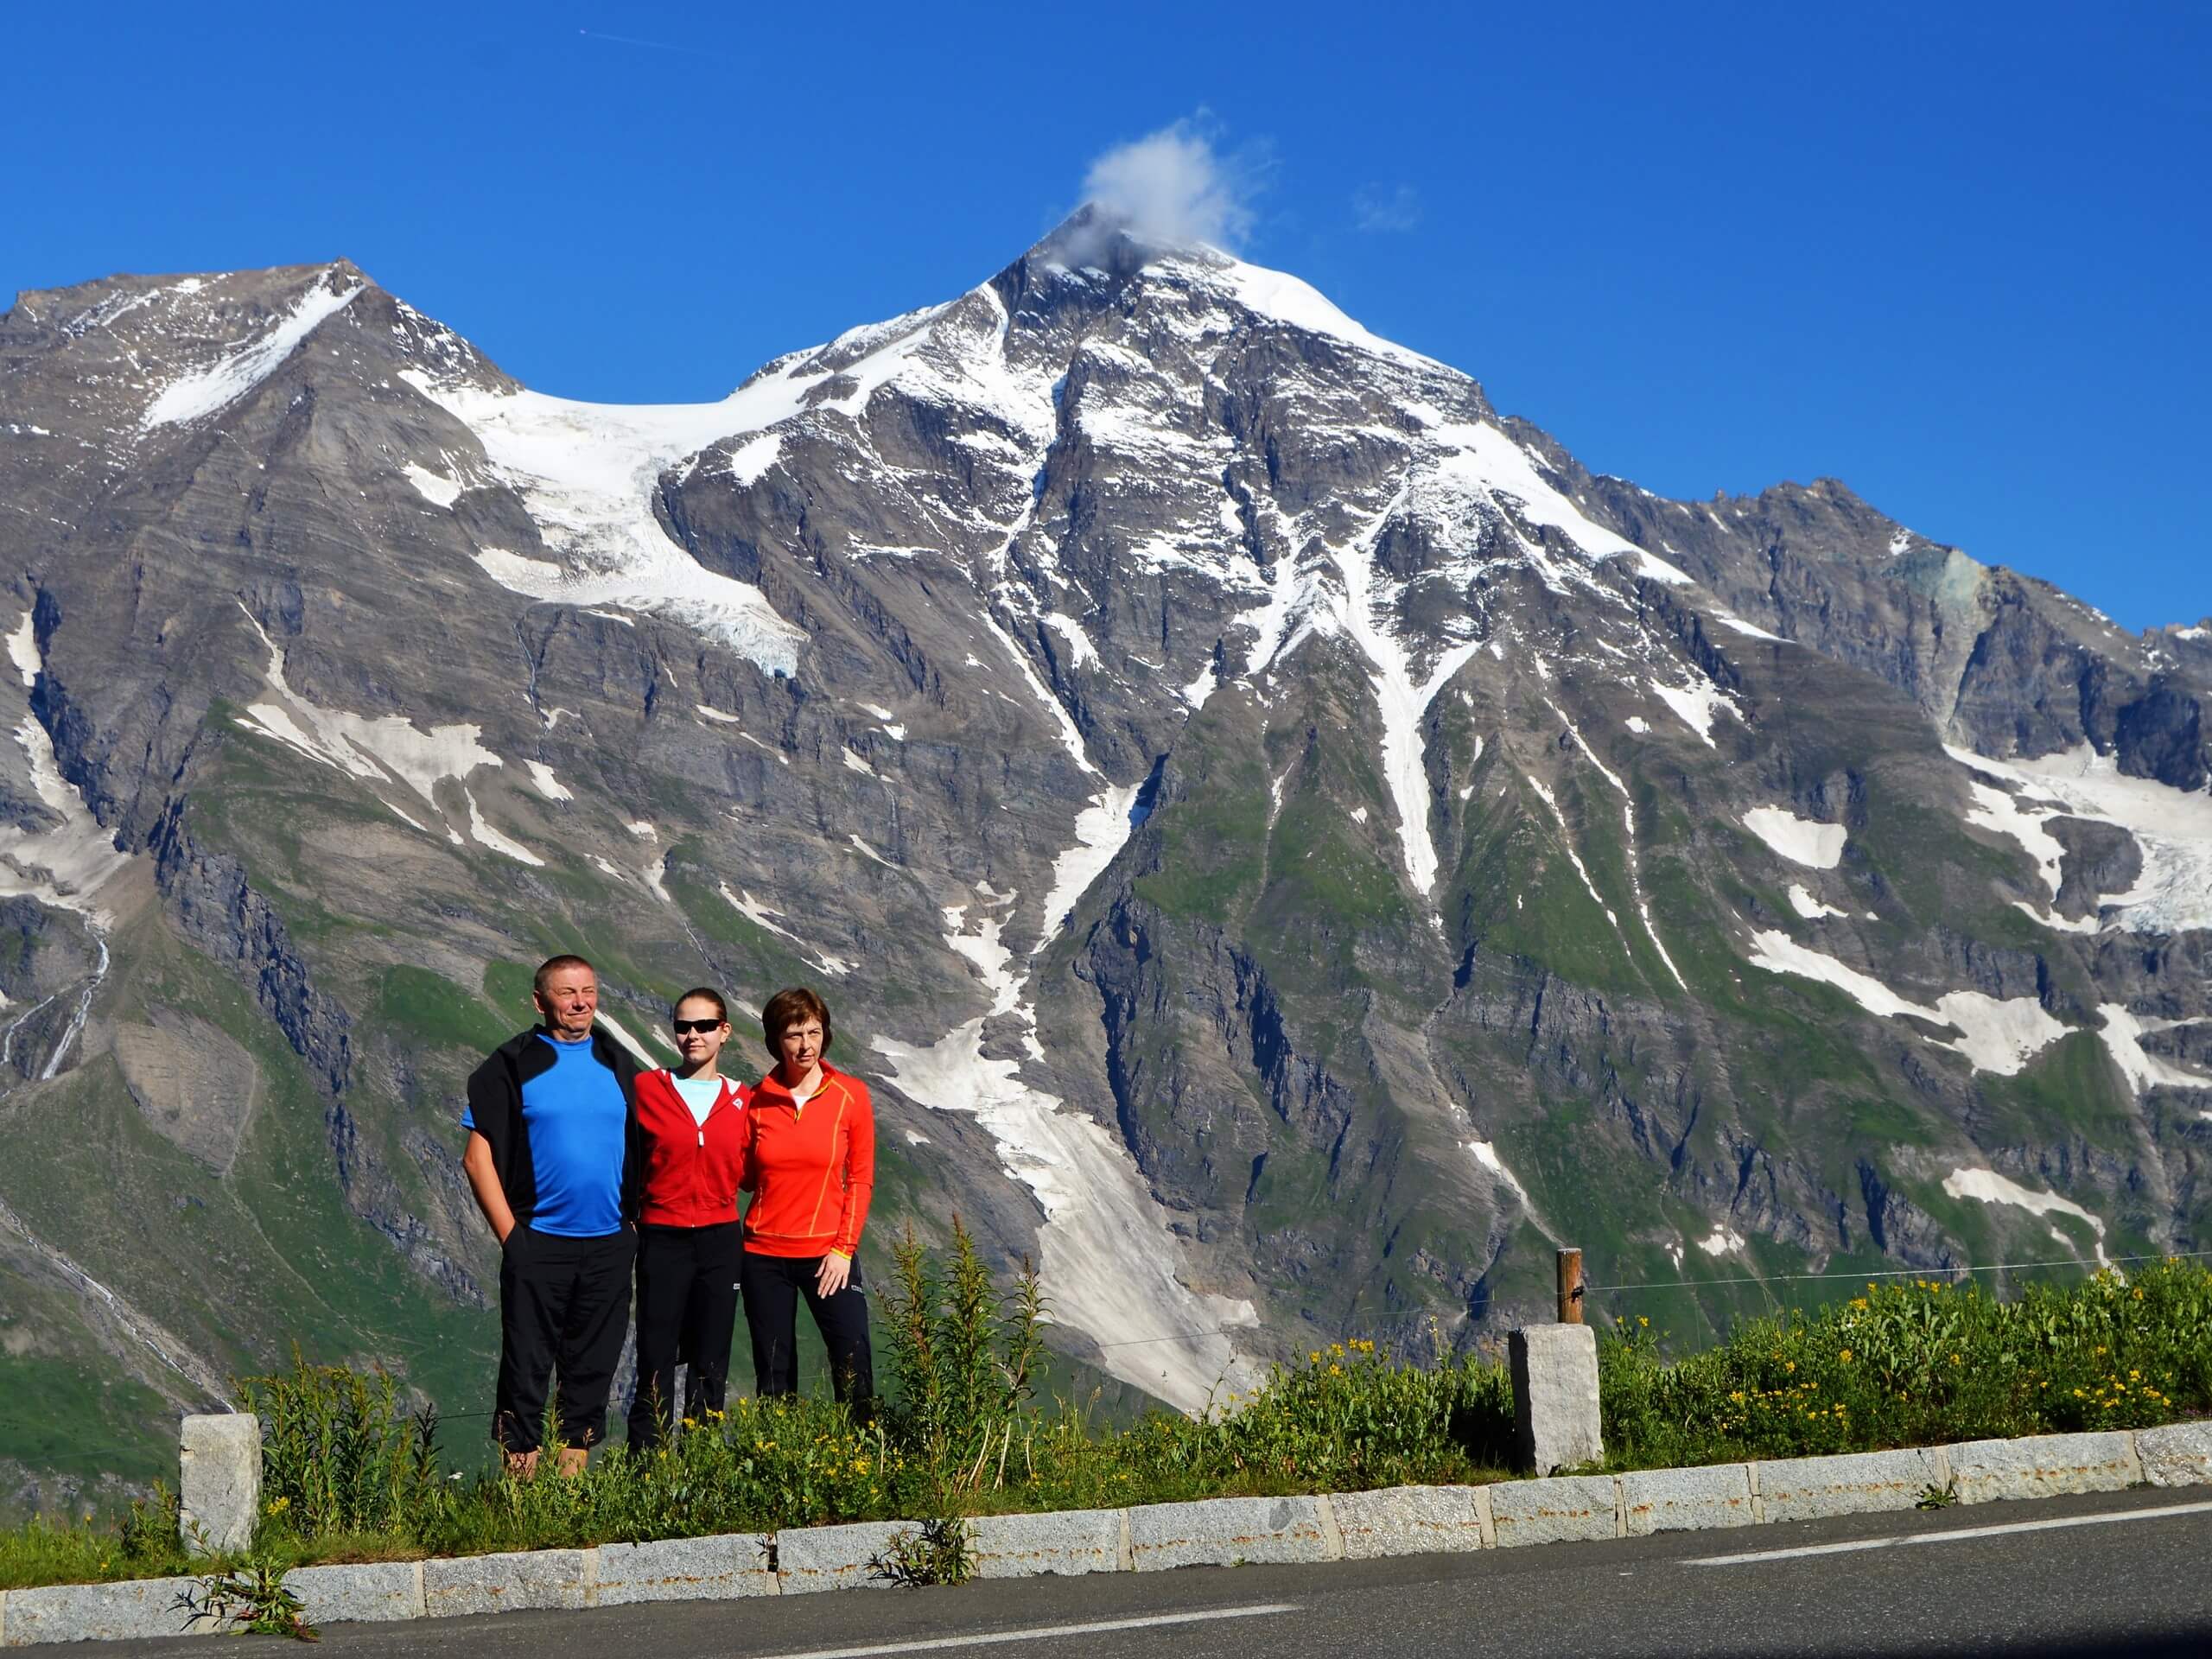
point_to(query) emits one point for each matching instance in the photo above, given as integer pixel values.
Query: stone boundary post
(1556, 1421)
(218, 1481)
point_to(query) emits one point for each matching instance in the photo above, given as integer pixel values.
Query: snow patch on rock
(1696, 706)
(1987, 1187)
(2123, 1039)
(507, 846)
(1802, 840)
(378, 750)
(1995, 1036)
(241, 368)
(1102, 828)
(1807, 907)
(760, 916)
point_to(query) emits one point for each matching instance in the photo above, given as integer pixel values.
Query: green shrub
(1914, 1364)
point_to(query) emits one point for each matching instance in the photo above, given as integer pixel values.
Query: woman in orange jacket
(811, 1162)
(692, 1123)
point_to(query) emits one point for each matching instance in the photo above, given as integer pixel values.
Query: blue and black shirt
(562, 1122)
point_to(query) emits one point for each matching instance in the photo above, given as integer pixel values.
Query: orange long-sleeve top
(811, 1167)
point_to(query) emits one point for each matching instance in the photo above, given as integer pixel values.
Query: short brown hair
(794, 1005)
(553, 966)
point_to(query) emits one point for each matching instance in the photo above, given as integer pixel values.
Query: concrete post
(1555, 1424)
(218, 1481)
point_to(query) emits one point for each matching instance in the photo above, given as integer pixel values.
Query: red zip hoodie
(812, 1168)
(692, 1169)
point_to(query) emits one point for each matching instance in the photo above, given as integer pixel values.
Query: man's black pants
(564, 1303)
(773, 1285)
(687, 1310)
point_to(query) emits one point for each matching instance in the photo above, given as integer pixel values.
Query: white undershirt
(700, 1094)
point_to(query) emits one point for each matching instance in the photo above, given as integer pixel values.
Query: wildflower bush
(1915, 1363)
(350, 1474)
(340, 1453)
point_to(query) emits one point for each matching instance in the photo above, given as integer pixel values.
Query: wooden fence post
(1570, 1287)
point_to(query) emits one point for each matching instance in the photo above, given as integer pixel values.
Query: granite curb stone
(1564, 1509)
(130, 1610)
(1852, 1483)
(1231, 1531)
(835, 1558)
(1409, 1521)
(375, 1591)
(2180, 1454)
(722, 1567)
(1685, 1500)
(1070, 1541)
(1357, 1525)
(517, 1579)
(2043, 1465)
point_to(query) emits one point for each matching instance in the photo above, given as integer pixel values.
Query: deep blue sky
(1956, 255)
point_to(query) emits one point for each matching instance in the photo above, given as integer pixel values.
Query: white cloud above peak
(1173, 189)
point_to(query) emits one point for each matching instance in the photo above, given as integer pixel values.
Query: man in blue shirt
(552, 1158)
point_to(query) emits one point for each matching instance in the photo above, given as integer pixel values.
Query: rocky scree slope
(1289, 842)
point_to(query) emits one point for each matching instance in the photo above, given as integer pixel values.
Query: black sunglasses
(685, 1027)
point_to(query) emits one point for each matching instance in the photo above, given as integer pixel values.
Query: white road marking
(1947, 1537)
(1043, 1631)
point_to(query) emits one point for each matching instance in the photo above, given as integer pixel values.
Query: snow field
(1997, 1036)
(1486, 1154)
(1809, 907)
(2172, 828)
(68, 865)
(1995, 810)
(1696, 706)
(1987, 1187)
(380, 750)
(240, 369)
(1802, 840)
(65, 867)
(1107, 1249)
(587, 473)
(2123, 1039)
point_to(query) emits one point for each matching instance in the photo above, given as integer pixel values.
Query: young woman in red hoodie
(692, 1121)
(810, 1161)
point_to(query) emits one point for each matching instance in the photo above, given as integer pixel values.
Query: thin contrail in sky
(658, 46)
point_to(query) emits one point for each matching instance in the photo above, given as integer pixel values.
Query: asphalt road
(2127, 1573)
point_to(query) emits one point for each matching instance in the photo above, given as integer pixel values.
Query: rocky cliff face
(1290, 844)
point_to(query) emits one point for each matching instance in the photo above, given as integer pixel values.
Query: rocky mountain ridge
(1288, 841)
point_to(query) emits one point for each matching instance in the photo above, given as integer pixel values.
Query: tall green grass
(351, 1475)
